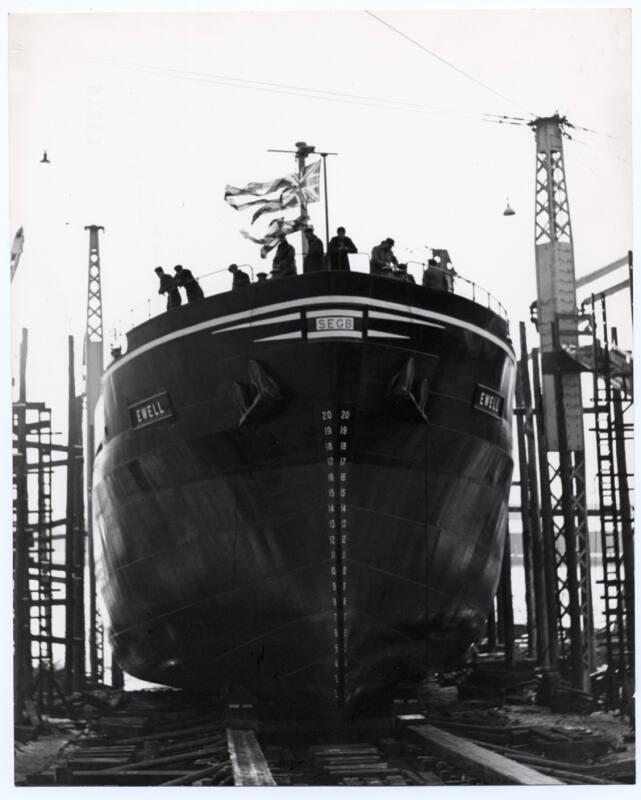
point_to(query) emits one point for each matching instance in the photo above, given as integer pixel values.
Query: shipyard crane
(93, 359)
(566, 594)
(94, 363)
(561, 434)
(561, 442)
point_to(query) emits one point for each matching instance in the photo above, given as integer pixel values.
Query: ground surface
(34, 757)
(40, 756)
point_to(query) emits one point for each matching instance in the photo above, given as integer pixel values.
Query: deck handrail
(460, 286)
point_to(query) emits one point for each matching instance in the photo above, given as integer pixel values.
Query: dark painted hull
(334, 543)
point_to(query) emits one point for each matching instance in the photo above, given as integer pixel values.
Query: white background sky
(146, 118)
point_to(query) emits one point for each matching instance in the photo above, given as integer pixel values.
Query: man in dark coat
(437, 277)
(240, 278)
(382, 261)
(284, 263)
(185, 278)
(314, 258)
(338, 248)
(402, 274)
(168, 286)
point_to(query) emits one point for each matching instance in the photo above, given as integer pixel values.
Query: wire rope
(302, 91)
(448, 63)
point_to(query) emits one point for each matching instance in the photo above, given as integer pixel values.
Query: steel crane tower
(93, 373)
(563, 498)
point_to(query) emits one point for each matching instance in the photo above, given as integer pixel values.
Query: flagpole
(324, 157)
(302, 151)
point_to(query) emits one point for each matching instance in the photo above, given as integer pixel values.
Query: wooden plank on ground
(247, 759)
(214, 772)
(492, 766)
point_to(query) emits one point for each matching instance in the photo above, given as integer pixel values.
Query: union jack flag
(277, 195)
(276, 228)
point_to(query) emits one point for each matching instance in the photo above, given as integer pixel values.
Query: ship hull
(302, 514)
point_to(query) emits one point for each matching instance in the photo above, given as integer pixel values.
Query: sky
(147, 117)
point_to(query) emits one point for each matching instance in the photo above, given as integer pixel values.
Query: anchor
(262, 394)
(403, 391)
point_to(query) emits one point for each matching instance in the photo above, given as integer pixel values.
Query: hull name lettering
(152, 409)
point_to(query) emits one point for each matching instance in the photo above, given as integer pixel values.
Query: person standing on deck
(438, 276)
(168, 286)
(284, 264)
(240, 278)
(338, 248)
(383, 260)
(402, 274)
(314, 258)
(185, 278)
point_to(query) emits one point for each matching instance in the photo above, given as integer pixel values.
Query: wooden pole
(505, 595)
(79, 650)
(524, 490)
(70, 526)
(541, 601)
(22, 674)
(549, 559)
(627, 529)
(491, 630)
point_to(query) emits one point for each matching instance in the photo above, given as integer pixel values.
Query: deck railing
(220, 280)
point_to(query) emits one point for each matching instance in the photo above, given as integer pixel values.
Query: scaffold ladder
(613, 596)
(41, 566)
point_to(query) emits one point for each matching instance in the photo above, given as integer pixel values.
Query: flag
(16, 250)
(287, 199)
(277, 195)
(256, 190)
(276, 228)
(309, 183)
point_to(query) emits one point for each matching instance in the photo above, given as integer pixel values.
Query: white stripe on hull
(415, 316)
(290, 335)
(335, 335)
(385, 335)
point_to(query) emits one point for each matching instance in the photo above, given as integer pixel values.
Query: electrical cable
(573, 138)
(298, 91)
(344, 97)
(449, 63)
(301, 91)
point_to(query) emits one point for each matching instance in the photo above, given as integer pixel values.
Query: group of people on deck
(382, 262)
(338, 249)
(171, 285)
